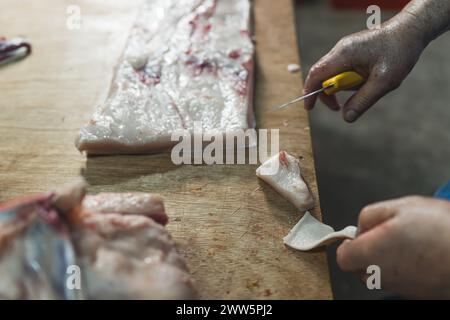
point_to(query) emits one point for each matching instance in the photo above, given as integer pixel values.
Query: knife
(342, 81)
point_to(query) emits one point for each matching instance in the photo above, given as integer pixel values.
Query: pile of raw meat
(186, 61)
(117, 242)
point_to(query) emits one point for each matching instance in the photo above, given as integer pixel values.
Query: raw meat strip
(185, 61)
(124, 253)
(150, 205)
(282, 172)
(121, 256)
(309, 233)
(126, 256)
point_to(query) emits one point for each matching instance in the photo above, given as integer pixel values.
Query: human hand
(383, 56)
(409, 239)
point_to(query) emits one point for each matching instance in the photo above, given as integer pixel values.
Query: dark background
(400, 147)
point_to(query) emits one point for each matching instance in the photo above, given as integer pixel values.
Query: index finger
(379, 212)
(329, 66)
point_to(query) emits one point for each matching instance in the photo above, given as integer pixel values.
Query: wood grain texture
(228, 224)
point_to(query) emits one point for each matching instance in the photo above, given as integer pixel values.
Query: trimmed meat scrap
(282, 172)
(185, 61)
(309, 233)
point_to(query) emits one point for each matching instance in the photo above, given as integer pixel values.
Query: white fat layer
(309, 233)
(186, 50)
(285, 177)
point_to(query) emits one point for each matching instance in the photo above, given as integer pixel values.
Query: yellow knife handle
(343, 81)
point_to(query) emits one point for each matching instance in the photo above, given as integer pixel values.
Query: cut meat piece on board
(121, 254)
(129, 256)
(147, 204)
(309, 233)
(282, 172)
(185, 61)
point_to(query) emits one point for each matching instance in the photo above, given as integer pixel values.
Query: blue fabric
(443, 192)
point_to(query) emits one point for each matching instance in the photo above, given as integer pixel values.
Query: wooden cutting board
(228, 224)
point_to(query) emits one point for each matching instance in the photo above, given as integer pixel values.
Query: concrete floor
(400, 147)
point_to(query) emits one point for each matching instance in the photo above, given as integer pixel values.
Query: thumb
(372, 91)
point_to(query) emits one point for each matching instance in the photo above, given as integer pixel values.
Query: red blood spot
(283, 159)
(267, 292)
(147, 79)
(245, 33)
(235, 54)
(207, 28)
(204, 66)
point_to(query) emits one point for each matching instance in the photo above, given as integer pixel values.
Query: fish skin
(185, 61)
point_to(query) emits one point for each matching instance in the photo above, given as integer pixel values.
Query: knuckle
(387, 80)
(363, 102)
(314, 71)
(365, 213)
(413, 198)
(345, 43)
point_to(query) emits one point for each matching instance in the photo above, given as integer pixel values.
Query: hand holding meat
(383, 56)
(408, 239)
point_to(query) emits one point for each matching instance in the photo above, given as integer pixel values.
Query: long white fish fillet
(309, 233)
(282, 172)
(185, 61)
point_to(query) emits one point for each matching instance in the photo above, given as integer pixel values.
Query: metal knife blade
(298, 99)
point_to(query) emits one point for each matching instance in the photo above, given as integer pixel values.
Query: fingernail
(351, 116)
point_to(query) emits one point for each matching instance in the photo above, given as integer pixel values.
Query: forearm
(430, 18)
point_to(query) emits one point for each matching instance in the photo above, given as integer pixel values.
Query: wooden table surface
(227, 223)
